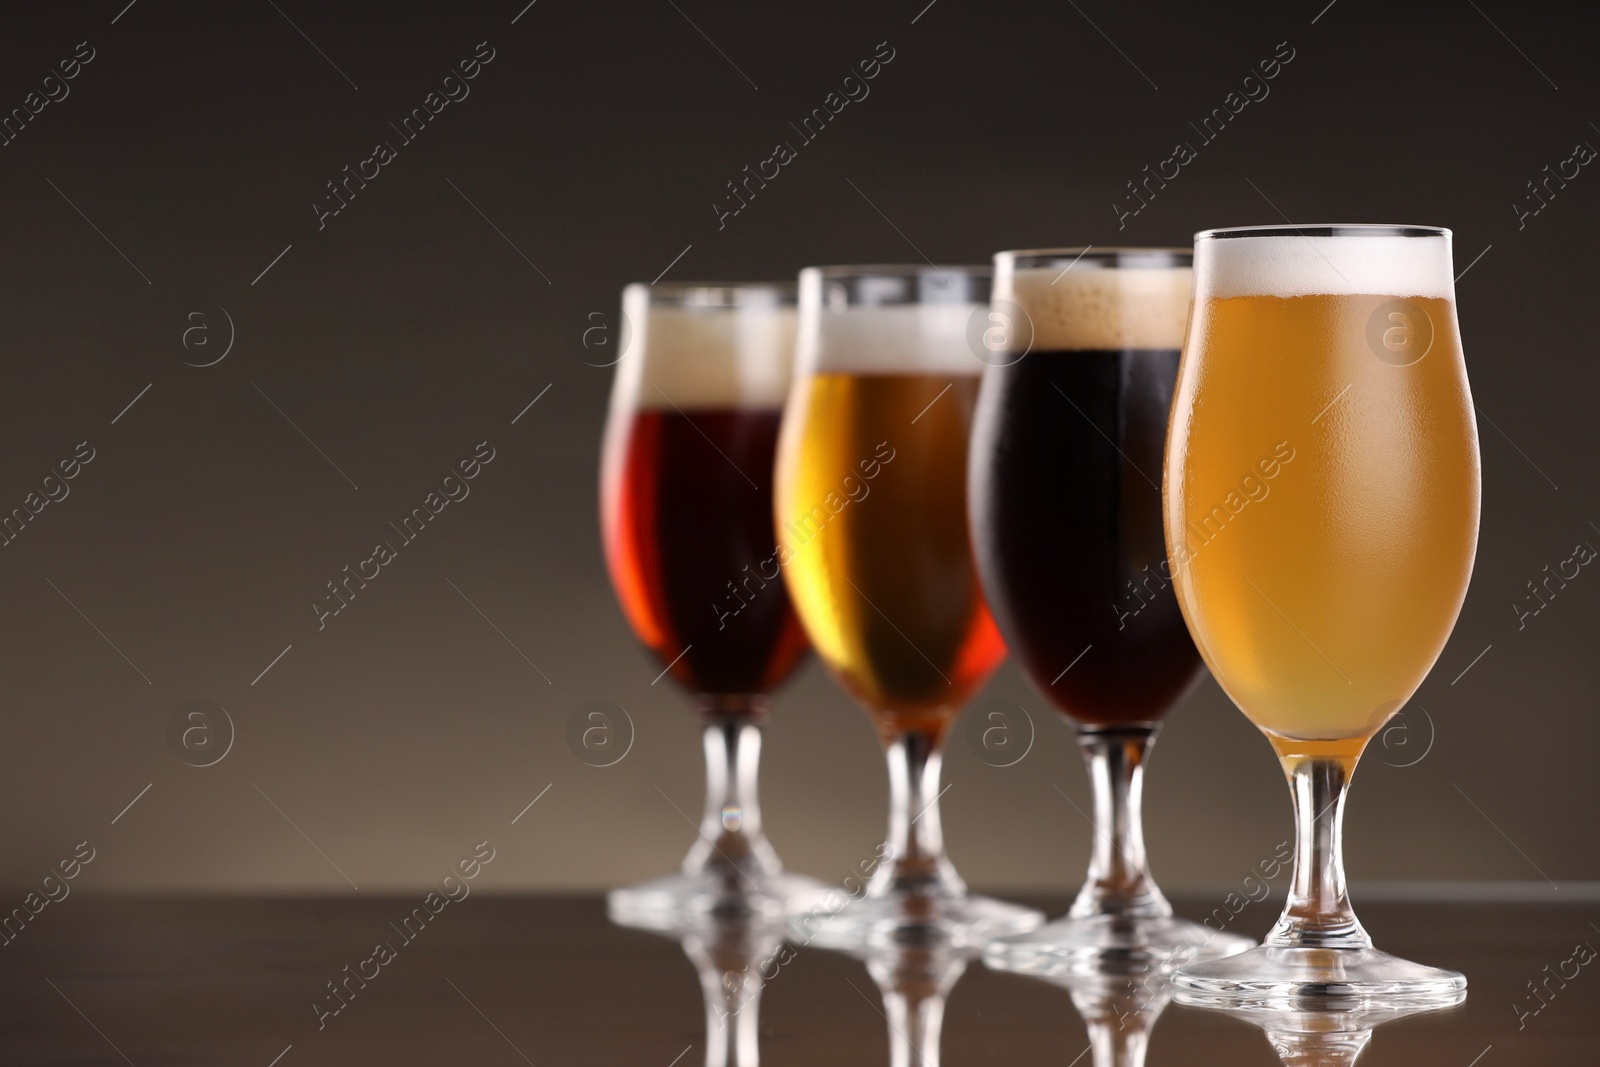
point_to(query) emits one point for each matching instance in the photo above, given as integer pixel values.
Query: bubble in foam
(706, 357)
(1090, 307)
(1348, 265)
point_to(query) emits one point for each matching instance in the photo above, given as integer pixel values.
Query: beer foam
(707, 357)
(1361, 265)
(1094, 307)
(889, 339)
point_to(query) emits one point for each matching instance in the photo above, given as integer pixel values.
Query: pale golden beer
(871, 506)
(1322, 488)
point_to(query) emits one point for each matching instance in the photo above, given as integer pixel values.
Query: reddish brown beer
(692, 549)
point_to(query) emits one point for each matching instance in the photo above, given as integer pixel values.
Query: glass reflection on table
(915, 979)
(1326, 1034)
(1120, 1003)
(733, 957)
(1120, 1007)
(1119, 1010)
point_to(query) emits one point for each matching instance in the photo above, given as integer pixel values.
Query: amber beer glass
(1066, 523)
(686, 513)
(1324, 362)
(871, 510)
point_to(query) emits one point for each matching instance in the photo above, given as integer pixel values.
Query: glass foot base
(679, 900)
(912, 918)
(1275, 976)
(1101, 944)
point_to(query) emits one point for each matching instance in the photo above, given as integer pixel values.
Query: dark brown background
(409, 330)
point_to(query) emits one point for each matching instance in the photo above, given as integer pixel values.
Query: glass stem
(1318, 913)
(1318, 1050)
(1118, 882)
(916, 861)
(1118, 1046)
(731, 840)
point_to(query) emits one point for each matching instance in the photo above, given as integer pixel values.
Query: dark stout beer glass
(686, 511)
(1066, 521)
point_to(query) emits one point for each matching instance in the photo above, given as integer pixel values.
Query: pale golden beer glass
(1321, 509)
(872, 517)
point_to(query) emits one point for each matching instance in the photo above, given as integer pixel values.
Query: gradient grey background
(413, 327)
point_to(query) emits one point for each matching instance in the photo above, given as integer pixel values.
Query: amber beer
(871, 506)
(885, 584)
(1321, 606)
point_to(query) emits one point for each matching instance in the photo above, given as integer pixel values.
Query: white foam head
(914, 322)
(1324, 260)
(736, 351)
(1109, 301)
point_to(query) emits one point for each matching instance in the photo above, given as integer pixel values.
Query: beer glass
(1066, 525)
(686, 512)
(871, 509)
(1321, 506)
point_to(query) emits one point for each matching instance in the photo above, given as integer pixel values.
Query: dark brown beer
(1065, 478)
(1066, 517)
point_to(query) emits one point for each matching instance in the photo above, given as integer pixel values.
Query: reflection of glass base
(1328, 1036)
(913, 918)
(678, 900)
(1276, 976)
(1098, 944)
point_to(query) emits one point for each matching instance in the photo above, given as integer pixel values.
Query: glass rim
(897, 270)
(717, 294)
(1323, 229)
(1107, 258)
